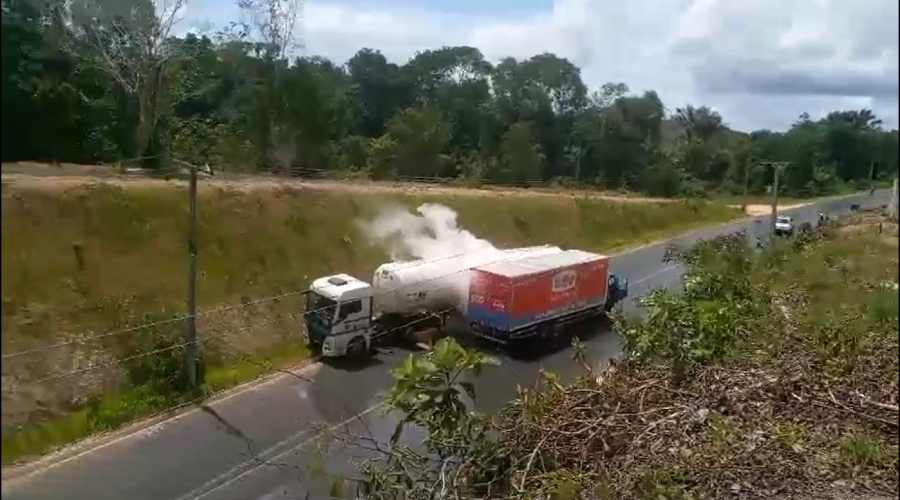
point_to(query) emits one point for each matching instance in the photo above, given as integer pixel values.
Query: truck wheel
(357, 347)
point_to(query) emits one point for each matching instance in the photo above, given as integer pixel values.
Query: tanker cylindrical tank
(436, 284)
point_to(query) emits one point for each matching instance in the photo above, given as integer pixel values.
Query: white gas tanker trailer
(346, 316)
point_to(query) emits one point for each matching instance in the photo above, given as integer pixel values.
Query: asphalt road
(285, 437)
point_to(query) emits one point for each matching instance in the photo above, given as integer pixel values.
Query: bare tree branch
(276, 21)
(131, 42)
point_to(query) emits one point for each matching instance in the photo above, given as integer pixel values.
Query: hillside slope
(83, 257)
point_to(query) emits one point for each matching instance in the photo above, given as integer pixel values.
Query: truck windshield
(784, 220)
(321, 307)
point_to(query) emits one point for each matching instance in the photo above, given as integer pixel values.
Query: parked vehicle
(784, 226)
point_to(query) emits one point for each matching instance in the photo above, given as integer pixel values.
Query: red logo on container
(564, 281)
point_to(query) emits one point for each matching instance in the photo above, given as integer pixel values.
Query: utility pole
(192, 351)
(777, 168)
(747, 166)
(872, 176)
(748, 163)
(192, 348)
(576, 151)
(892, 208)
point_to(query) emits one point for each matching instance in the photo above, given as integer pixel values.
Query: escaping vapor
(430, 253)
(431, 233)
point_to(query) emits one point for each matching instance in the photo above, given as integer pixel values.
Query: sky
(760, 63)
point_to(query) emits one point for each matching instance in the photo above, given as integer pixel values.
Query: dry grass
(809, 409)
(70, 175)
(759, 209)
(86, 255)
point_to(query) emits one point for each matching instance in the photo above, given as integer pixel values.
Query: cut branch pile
(747, 430)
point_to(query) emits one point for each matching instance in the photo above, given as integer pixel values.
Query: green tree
(116, 83)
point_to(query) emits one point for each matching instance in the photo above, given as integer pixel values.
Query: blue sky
(759, 62)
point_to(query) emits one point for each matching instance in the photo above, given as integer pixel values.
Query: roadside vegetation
(238, 100)
(768, 374)
(81, 259)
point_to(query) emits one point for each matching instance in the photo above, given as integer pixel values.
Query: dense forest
(97, 81)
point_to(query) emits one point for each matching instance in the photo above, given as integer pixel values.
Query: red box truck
(532, 296)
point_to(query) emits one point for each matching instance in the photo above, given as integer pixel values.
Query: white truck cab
(338, 315)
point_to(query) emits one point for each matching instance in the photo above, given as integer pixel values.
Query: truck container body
(412, 287)
(517, 295)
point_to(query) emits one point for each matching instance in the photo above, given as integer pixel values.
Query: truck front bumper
(330, 348)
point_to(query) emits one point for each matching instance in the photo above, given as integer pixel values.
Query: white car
(784, 225)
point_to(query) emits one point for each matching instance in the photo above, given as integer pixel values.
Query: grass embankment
(789, 384)
(771, 374)
(79, 260)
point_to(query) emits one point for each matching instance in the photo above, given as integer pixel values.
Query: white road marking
(653, 275)
(258, 384)
(253, 386)
(246, 388)
(211, 486)
(199, 493)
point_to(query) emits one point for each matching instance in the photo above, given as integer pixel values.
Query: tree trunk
(148, 113)
(143, 128)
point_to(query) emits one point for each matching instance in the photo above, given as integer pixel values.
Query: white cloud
(760, 62)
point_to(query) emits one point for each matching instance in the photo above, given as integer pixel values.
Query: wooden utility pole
(192, 353)
(892, 208)
(192, 350)
(777, 168)
(748, 163)
(872, 177)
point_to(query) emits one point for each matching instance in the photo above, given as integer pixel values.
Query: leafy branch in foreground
(430, 391)
(759, 415)
(706, 322)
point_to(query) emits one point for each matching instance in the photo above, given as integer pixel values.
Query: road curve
(283, 437)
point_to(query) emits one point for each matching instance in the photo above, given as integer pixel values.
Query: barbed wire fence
(111, 367)
(89, 338)
(164, 373)
(177, 168)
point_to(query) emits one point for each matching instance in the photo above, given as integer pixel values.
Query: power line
(377, 335)
(441, 276)
(143, 354)
(335, 175)
(132, 329)
(175, 319)
(120, 361)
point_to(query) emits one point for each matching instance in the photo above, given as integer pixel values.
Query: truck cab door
(617, 289)
(352, 315)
